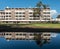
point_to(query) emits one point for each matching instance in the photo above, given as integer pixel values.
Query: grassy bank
(42, 25)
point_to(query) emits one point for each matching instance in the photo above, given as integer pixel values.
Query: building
(25, 35)
(23, 15)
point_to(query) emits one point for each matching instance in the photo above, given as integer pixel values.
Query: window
(20, 16)
(30, 13)
(16, 16)
(46, 34)
(2, 12)
(6, 16)
(17, 34)
(19, 12)
(23, 16)
(6, 12)
(6, 34)
(24, 34)
(16, 12)
(9, 16)
(9, 12)
(46, 12)
(31, 16)
(31, 34)
(46, 16)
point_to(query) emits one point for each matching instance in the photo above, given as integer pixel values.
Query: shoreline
(28, 29)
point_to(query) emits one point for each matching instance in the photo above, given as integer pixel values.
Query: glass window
(30, 13)
(9, 12)
(16, 16)
(20, 16)
(23, 16)
(6, 16)
(31, 16)
(6, 12)
(19, 12)
(9, 16)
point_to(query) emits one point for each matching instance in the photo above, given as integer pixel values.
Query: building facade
(25, 35)
(23, 15)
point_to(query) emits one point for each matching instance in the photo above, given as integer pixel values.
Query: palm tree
(37, 11)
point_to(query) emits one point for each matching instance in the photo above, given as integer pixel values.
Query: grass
(47, 25)
(41, 25)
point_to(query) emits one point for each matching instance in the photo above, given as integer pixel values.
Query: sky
(53, 4)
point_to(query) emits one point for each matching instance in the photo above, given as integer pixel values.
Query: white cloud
(54, 35)
(53, 12)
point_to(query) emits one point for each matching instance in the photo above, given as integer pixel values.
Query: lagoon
(41, 41)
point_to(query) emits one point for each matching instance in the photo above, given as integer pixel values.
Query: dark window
(16, 16)
(19, 12)
(6, 34)
(9, 16)
(10, 34)
(30, 12)
(20, 34)
(9, 12)
(23, 16)
(6, 12)
(46, 34)
(2, 12)
(31, 16)
(17, 34)
(6, 16)
(24, 34)
(16, 12)
(20, 16)
(31, 34)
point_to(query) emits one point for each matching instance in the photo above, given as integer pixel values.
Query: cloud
(54, 35)
(53, 12)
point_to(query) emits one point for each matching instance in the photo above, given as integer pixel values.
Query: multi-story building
(23, 15)
(25, 35)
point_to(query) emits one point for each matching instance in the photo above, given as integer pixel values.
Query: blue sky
(54, 4)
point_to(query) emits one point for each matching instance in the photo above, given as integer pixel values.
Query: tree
(37, 11)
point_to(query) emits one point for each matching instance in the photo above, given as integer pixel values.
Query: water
(40, 41)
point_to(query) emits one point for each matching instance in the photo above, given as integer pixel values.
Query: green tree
(37, 11)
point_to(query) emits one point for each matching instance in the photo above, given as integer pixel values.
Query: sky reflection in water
(54, 43)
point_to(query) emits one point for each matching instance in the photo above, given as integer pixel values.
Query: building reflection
(40, 37)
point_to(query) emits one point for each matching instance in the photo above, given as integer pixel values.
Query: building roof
(24, 8)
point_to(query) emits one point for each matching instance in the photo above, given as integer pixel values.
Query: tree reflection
(41, 39)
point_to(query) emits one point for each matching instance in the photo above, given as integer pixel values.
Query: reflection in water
(53, 34)
(40, 38)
